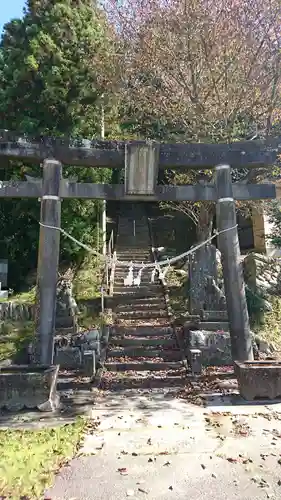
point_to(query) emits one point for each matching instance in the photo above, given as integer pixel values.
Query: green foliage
(269, 328)
(87, 281)
(56, 72)
(55, 66)
(256, 306)
(274, 212)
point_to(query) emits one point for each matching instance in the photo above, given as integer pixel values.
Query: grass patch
(14, 337)
(30, 459)
(88, 320)
(87, 281)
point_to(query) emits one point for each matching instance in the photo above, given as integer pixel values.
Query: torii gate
(141, 161)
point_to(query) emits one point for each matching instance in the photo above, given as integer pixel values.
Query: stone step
(134, 221)
(214, 316)
(140, 301)
(120, 275)
(131, 223)
(144, 366)
(142, 310)
(132, 293)
(137, 314)
(120, 281)
(145, 331)
(132, 261)
(145, 280)
(160, 304)
(140, 341)
(132, 250)
(149, 289)
(143, 246)
(134, 352)
(132, 323)
(123, 272)
(123, 269)
(138, 247)
(214, 326)
(139, 242)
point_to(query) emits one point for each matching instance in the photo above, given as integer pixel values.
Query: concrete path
(152, 445)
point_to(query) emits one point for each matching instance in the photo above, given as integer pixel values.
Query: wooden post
(48, 261)
(241, 342)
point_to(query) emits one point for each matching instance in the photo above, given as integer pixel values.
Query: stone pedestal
(23, 386)
(195, 360)
(69, 358)
(79, 352)
(215, 347)
(260, 379)
(89, 363)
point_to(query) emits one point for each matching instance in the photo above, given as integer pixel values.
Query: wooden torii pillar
(228, 243)
(48, 261)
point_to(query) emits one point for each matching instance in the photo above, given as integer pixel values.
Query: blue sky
(10, 9)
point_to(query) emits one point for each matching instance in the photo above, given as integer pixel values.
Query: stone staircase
(142, 338)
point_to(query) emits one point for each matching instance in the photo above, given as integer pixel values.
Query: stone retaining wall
(262, 273)
(16, 311)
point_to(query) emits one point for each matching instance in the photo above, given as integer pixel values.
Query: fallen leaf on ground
(143, 491)
(122, 470)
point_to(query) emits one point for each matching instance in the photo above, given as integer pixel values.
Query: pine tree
(56, 63)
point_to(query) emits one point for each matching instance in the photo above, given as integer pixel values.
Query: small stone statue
(66, 305)
(65, 299)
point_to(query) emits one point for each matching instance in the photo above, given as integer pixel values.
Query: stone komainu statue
(67, 309)
(66, 313)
